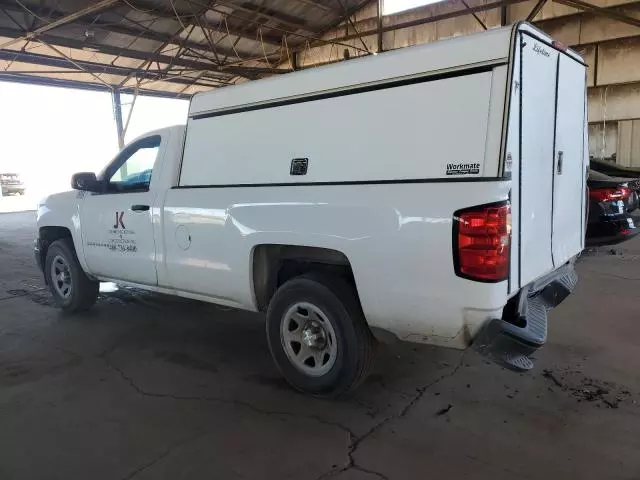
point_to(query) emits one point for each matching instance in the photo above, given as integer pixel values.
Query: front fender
(63, 210)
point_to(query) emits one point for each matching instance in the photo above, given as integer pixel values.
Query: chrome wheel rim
(308, 339)
(61, 277)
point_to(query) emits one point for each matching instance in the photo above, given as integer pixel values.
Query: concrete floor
(149, 387)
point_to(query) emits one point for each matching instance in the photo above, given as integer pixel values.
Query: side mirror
(86, 181)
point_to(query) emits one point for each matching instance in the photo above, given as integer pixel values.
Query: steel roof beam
(150, 34)
(123, 29)
(81, 66)
(347, 13)
(536, 9)
(97, 7)
(422, 21)
(250, 33)
(80, 85)
(303, 38)
(154, 11)
(289, 21)
(318, 4)
(140, 55)
(605, 12)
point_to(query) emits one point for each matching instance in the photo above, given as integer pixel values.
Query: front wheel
(318, 336)
(72, 290)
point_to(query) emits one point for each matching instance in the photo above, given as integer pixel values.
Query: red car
(613, 209)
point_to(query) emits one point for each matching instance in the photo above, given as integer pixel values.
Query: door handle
(139, 208)
(560, 156)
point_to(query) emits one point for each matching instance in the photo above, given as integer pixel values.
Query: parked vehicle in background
(291, 196)
(613, 209)
(11, 184)
(613, 169)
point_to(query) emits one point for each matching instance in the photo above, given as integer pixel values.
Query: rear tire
(318, 336)
(72, 290)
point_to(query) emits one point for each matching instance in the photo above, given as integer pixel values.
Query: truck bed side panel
(397, 238)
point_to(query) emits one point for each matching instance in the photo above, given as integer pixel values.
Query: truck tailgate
(550, 196)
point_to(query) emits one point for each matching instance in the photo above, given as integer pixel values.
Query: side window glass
(136, 167)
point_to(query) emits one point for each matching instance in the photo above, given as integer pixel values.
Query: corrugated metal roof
(161, 47)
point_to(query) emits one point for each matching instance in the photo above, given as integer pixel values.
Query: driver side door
(117, 228)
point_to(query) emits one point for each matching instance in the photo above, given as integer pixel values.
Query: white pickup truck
(435, 194)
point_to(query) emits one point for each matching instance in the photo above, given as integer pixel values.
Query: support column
(117, 113)
(379, 27)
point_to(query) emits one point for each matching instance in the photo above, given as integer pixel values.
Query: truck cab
(112, 211)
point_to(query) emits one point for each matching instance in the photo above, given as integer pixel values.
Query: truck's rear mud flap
(511, 340)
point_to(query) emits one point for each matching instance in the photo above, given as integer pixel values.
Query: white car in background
(11, 184)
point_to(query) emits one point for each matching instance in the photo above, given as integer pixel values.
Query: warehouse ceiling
(169, 48)
(175, 48)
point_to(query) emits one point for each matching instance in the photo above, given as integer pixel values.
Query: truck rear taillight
(609, 194)
(482, 242)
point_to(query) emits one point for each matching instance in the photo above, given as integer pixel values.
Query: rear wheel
(318, 336)
(72, 290)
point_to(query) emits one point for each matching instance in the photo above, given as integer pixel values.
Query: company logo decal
(540, 50)
(119, 220)
(463, 168)
(119, 239)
